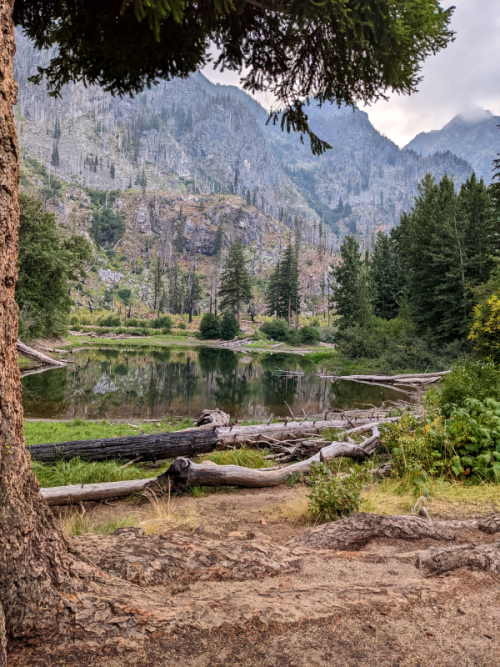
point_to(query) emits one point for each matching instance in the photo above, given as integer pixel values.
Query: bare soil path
(228, 579)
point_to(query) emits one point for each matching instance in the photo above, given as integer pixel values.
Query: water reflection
(112, 383)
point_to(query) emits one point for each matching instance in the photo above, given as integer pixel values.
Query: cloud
(463, 76)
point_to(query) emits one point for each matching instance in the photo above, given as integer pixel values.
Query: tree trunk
(189, 442)
(474, 556)
(33, 553)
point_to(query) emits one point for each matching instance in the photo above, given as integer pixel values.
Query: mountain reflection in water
(154, 383)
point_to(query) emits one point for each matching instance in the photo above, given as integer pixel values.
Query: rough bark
(356, 531)
(474, 556)
(140, 447)
(38, 356)
(3, 639)
(213, 418)
(34, 560)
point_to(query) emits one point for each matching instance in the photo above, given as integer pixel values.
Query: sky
(463, 76)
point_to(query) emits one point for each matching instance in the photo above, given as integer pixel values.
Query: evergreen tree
(50, 265)
(193, 293)
(209, 326)
(54, 158)
(349, 286)
(282, 296)
(235, 286)
(385, 277)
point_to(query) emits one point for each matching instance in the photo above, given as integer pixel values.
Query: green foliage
(282, 297)
(276, 329)
(469, 379)
(209, 326)
(466, 445)
(360, 50)
(334, 495)
(309, 335)
(235, 286)
(107, 227)
(162, 322)
(228, 326)
(50, 265)
(109, 321)
(349, 286)
(485, 330)
(385, 277)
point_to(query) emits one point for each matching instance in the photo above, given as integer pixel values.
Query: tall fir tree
(283, 297)
(235, 288)
(349, 295)
(385, 277)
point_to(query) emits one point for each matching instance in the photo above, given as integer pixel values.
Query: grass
(37, 432)
(76, 471)
(23, 362)
(249, 458)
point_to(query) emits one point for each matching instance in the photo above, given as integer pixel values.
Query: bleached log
(416, 378)
(37, 356)
(78, 493)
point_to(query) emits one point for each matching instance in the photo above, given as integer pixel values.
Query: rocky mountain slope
(474, 136)
(194, 137)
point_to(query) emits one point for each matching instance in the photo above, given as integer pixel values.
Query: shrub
(276, 329)
(109, 321)
(229, 326)
(162, 322)
(464, 445)
(309, 335)
(333, 496)
(209, 326)
(485, 330)
(328, 334)
(182, 325)
(470, 379)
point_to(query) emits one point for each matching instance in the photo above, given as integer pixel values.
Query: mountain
(192, 137)
(473, 135)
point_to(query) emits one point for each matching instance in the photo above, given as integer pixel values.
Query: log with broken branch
(42, 358)
(188, 442)
(184, 473)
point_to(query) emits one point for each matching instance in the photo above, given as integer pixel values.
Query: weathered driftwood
(78, 493)
(183, 472)
(42, 358)
(405, 378)
(188, 442)
(475, 556)
(213, 418)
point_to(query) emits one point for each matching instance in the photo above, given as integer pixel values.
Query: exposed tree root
(475, 556)
(356, 531)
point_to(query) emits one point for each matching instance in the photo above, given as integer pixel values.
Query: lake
(162, 382)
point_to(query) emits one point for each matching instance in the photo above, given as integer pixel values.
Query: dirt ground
(229, 581)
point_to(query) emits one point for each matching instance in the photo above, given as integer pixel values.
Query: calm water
(117, 383)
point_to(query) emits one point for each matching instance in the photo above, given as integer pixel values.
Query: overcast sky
(464, 75)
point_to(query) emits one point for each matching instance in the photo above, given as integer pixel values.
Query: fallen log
(189, 442)
(415, 378)
(184, 473)
(37, 356)
(79, 493)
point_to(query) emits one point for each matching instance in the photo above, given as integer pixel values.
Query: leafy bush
(334, 496)
(276, 329)
(328, 334)
(470, 379)
(109, 321)
(229, 326)
(309, 335)
(485, 329)
(107, 227)
(464, 445)
(162, 322)
(209, 326)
